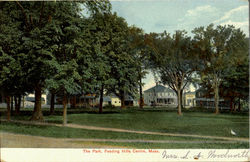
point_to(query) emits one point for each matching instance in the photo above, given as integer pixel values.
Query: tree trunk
(141, 103)
(64, 109)
(181, 94)
(23, 101)
(216, 98)
(179, 101)
(52, 103)
(37, 113)
(231, 105)
(11, 104)
(122, 101)
(8, 107)
(17, 104)
(239, 106)
(101, 99)
(234, 107)
(73, 105)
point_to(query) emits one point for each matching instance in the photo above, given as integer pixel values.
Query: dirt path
(11, 140)
(133, 131)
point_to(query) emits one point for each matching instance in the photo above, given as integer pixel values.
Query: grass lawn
(158, 120)
(175, 145)
(64, 132)
(200, 123)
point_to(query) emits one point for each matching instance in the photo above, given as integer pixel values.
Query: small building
(205, 99)
(189, 99)
(160, 96)
(115, 101)
(106, 101)
(73, 101)
(29, 100)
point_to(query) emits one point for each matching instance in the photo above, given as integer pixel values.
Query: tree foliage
(173, 60)
(45, 35)
(219, 49)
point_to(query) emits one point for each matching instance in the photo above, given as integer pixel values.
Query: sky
(172, 15)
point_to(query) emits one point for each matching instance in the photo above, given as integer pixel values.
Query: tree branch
(41, 14)
(24, 14)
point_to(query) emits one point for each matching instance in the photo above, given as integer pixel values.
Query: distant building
(106, 101)
(27, 101)
(206, 99)
(189, 99)
(115, 101)
(160, 95)
(74, 101)
(111, 100)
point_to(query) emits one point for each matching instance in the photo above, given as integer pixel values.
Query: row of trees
(218, 55)
(55, 46)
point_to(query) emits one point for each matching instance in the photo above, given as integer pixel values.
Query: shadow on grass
(26, 113)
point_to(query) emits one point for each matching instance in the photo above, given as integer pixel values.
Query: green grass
(174, 145)
(158, 120)
(149, 119)
(168, 122)
(64, 132)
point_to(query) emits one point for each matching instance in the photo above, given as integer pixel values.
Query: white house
(30, 100)
(115, 101)
(160, 96)
(189, 99)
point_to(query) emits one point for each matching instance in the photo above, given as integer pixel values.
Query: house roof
(158, 88)
(32, 99)
(106, 99)
(127, 97)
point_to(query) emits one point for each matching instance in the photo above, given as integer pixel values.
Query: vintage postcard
(124, 80)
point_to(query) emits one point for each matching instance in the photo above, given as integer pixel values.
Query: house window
(115, 101)
(119, 101)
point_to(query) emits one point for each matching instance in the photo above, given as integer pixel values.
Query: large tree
(13, 81)
(39, 26)
(218, 49)
(173, 60)
(112, 56)
(139, 49)
(65, 82)
(65, 77)
(74, 56)
(235, 84)
(101, 38)
(123, 62)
